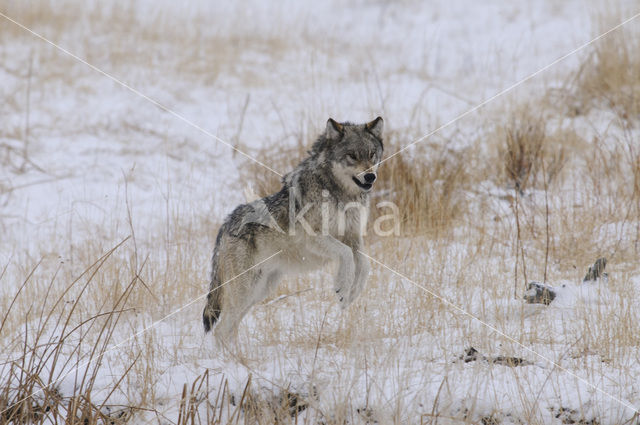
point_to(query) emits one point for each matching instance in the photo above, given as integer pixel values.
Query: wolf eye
(351, 157)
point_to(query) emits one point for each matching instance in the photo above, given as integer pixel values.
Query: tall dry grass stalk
(531, 159)
(530, 156)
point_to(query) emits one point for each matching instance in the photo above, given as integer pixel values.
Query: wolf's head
(353, 152)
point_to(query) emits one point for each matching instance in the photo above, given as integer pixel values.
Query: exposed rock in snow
(539, 293)
(596, 271)
(472, 355)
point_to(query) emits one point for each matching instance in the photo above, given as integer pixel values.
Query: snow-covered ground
(86, 162)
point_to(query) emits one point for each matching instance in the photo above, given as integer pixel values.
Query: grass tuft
(608, 78)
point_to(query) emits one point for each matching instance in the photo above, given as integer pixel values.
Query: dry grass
(531, 157)
(608, 79)
(569, 193)
(428, 183)
(30, 390)
(360, 333)
(578, 198)
(165, 45)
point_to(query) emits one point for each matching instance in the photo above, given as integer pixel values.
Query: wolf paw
(345, 297)
(343, 289)
(340, 295)
(354, 292)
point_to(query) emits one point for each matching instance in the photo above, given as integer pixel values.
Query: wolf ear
(334, 129)
(375, 127)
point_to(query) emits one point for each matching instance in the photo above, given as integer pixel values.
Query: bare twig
(27, 122)
(546, 206)
(236, 138)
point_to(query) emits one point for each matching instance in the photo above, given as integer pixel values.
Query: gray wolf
(319, 215)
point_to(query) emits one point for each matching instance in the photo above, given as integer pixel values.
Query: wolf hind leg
(245, 293)
(236, 303)
(211, 312)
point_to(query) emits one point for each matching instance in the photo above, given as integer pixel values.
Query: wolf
(319, 215)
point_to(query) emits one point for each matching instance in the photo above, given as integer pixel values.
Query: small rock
(510, 361)
(539, 293)
(596, 271)
(367, 414)
(293, 402)
(491, 419)
(572, 416)
(472, 355)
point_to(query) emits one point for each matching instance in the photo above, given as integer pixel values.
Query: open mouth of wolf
(363, 186)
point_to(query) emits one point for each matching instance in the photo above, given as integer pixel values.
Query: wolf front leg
(332, 248)
(362, 272)
(362, 267)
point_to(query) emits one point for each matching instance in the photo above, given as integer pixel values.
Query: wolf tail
(211, 312)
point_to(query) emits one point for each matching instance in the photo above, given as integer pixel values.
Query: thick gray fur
(319, 215)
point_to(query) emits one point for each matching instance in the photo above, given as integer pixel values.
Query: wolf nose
(369, 177)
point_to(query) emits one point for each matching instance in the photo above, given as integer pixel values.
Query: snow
(106, 163)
